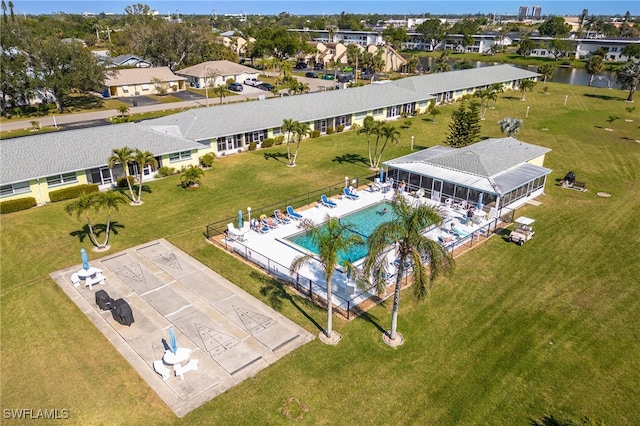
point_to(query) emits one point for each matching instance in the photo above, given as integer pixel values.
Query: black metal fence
(307, 286)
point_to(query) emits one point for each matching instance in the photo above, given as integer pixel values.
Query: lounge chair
(234, 233)
(350, 195)
(259, 227)
(281, 217)
(292, 214)
(271, 224)
(326, 202)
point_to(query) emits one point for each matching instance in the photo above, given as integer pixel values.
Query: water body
(561, 74)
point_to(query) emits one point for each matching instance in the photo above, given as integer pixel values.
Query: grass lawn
(515, 335)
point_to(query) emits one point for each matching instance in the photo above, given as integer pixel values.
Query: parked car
(235, 87)
(301, 66)
(344, 78)
(311, 75)
(252, 82)
(318, 66)
(328, 77)
(265, 86)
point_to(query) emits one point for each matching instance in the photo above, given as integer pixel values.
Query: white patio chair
(75, 279)
(192, 365)
(159, 367)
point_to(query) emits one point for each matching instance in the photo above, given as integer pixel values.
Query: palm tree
(289, 126)
(546, 70)
(331, 238)
(413, 249)
(301, 130)
(495, 89)
(143, 159)
(191, 177)
(526, 85)
(221, 91)
(122, 156)
(389, 134)
(82, 206)
(110, 201)
(510, 125)
(369, 126)
(595, 65)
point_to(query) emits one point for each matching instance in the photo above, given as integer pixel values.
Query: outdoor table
(83, 274)
(182, 354)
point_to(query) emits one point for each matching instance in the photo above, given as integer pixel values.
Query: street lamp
(411, 143)
(249, 214)
(206, 83)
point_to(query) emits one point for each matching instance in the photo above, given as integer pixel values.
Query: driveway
(139, 101)
(187, 95)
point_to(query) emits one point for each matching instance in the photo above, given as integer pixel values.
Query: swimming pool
(362, 222)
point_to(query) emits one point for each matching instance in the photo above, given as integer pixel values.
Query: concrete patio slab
(231, 334)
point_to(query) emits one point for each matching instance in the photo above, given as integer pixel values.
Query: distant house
(216, 73)
(336, 53)
(129, 61)
(141, 81)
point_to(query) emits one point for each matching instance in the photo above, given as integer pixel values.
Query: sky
(319, 7)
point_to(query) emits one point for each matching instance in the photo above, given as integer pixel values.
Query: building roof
(132, 76)
(241, 117)
(216, 67)
(495, 165)
(72, 150)
(68, 151)
(463, 79)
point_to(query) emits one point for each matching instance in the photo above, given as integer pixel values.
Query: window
(61, 179)
(145, 87)
(361, 114)
(378, 111)
(179, 156)
(125, 89)
(14, 188)
(277, 131)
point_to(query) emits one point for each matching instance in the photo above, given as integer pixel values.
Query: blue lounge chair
(280, 217)
(326, 202)
(259, 227)
(350, 195)
(292, 214)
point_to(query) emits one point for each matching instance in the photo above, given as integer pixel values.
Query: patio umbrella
(480, 201)
(85, 259)
(239, 218)
(381, 174)
(172, 340)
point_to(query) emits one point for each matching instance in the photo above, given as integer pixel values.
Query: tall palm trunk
(396, 296)
(329, 305)
(295, 154)
(126, 175)
(92, 235)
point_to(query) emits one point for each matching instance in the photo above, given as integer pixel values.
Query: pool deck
(272, 245)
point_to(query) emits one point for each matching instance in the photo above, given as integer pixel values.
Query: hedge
(315, 133)
(207, 160)
(16, 205)
(122, 181)
(279, 139)
(72, 192)
(267, 143)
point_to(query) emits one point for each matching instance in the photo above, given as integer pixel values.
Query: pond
(565, 75)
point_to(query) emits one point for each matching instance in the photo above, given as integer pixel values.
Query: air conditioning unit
(137, 93)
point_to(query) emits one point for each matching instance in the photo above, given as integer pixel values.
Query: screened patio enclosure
(490, 174)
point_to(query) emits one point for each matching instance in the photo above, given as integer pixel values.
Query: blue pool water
(362, 222)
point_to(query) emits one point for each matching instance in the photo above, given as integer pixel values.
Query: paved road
(97, 118)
